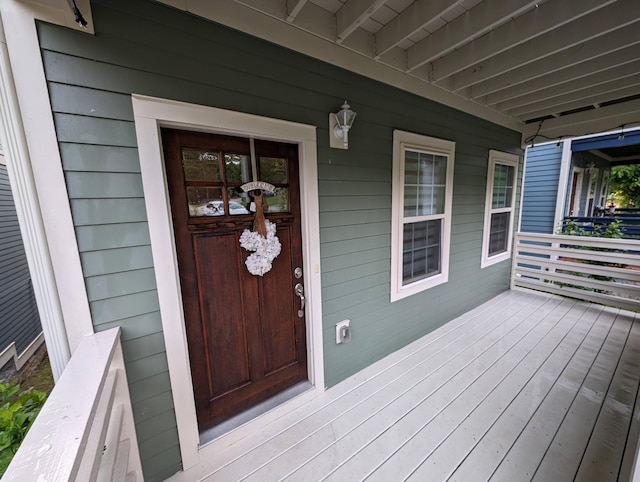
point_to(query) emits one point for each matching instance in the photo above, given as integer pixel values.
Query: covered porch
(528, 386)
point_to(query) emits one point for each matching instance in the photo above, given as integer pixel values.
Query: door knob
(298, 289)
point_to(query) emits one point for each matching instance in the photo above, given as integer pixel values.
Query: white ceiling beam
(581, 56)
(316, 21)
(590, 122)
(415, 17)
(396, 58)
(293, 9)
(598, 94)
(472, 24)
(541, 22)
(588, 27)
(362, 42)
(273, 8)
(571, 85)
(611, 62)
(352, 14)
(239, 17)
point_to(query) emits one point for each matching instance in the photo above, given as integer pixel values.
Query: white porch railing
(600, 270)
(85, 430)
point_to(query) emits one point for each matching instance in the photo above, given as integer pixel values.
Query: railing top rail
(584, 240)
(51, 449)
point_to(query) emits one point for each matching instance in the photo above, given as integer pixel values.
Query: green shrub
(18, 410)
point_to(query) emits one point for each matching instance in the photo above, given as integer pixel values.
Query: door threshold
(236, 421)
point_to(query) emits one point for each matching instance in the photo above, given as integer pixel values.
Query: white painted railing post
(85, 431)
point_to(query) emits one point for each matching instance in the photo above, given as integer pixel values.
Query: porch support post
(563, 182)
(38, 184)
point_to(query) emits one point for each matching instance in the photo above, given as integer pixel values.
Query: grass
(40, 377)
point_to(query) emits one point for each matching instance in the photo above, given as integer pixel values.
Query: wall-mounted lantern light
(339, 125)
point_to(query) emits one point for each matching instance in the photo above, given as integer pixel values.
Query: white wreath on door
(266, 249)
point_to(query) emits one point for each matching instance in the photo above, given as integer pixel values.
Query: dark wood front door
(245, 333)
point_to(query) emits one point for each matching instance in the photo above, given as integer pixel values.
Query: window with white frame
(499, 207)
(421, 217)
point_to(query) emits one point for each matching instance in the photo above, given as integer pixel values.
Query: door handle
(298, 289)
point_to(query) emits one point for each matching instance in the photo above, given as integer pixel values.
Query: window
(499, 207)
(421, 217)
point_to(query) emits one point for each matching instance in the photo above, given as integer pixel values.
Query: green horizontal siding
(145, 48)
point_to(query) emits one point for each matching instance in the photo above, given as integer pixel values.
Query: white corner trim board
(150, 114)
(33, 162)
(44, 213)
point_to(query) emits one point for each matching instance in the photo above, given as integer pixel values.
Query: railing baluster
(600, 270)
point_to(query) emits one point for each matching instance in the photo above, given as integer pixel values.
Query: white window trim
(150, 114)
(504, 158)
(402, 141)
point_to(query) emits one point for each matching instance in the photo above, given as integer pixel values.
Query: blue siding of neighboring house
(19, 319)
(541, 177)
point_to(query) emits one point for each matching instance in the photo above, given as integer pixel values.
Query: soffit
(549, 68)
(555, 68)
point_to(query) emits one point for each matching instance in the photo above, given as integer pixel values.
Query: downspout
(29, 216)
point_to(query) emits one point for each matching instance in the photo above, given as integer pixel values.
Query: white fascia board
(244, 19)
(58, 12)
(593, 121)
(618, 89)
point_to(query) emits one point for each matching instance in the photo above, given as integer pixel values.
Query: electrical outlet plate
(342, 329)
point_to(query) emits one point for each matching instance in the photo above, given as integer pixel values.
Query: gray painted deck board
(527, 386)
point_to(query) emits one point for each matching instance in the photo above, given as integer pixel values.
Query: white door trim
(152, 113)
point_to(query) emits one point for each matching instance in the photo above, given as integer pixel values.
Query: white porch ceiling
(549, 68)
(573, 66)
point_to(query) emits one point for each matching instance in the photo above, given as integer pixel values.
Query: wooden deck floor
(525, 387)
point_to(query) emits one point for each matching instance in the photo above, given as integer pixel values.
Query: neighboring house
(20, 329)
(571, 177)
(140, 137)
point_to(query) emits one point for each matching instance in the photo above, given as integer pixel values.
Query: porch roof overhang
(619, 148)
(547, 68)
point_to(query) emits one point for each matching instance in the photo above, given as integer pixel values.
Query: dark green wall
(145, 48)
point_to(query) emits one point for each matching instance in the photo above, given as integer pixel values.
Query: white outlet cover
(339, 326)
